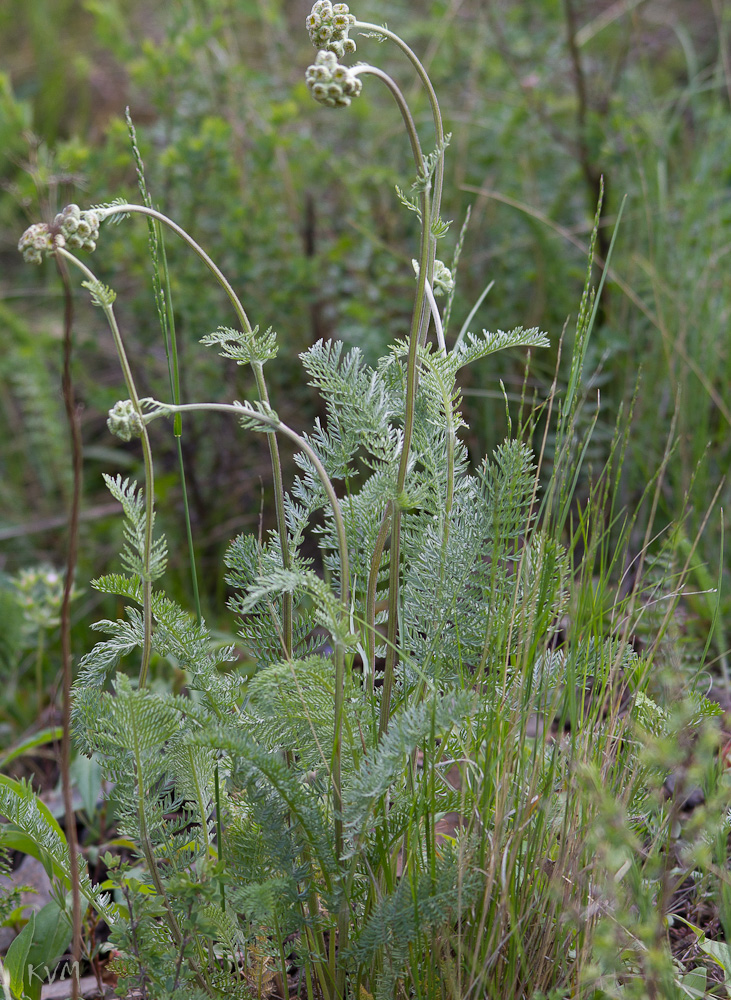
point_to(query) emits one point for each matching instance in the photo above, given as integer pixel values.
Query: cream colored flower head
(71, 228)
(331, 83)
(328, 26)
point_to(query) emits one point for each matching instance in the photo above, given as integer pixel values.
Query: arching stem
(108, 310)
(260, 384)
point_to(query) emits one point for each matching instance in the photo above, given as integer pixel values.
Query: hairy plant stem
(419, 326)
(72, 416)
(431, 93)
(147, 458)
(260, 383)
(368, 70)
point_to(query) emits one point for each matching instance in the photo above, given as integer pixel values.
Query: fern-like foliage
(133, 553)
(241, 347)
(410, 914)
(413, 727)
(30, 827)
(261, 808)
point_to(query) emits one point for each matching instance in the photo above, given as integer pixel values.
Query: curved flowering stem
(366, 69)
(270, 419)
(365, 26)
(238, 308)
(104, 297)
(392, 514)
(329, 26)
(335, 85)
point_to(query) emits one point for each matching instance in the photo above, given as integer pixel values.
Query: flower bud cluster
(124, 421)
(34, 241)
(79, 229)
(330, 83)
(39, 592)
(72, 228)
(442, 281)
(328, 26)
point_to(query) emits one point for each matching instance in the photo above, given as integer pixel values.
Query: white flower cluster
(71, 227)
(330, 83)
(328, 25)
(124, 420)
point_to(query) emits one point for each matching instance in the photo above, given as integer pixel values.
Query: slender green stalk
(149, 854)
(171, 349)
(370, 610)
(392, 629)
(164, 303)
(72, 416)
(40, 653)
(287, 637)
(411, 388)
(428, 86)
(108, 311)
(336, 779)
(261, 386)
(270, 420)
(419, 325)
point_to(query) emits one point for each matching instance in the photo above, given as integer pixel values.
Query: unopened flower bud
(36, 240)
(81, 229)
(443, 282)
(328, 26)
(331, 83)
(124, 421)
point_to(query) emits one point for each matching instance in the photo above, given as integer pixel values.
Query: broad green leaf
(50, 939)
(87, 776)
(16, 960)
(36, 740)
(720, 952)
(693, 983)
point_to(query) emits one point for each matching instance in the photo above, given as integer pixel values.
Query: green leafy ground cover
(481, 783)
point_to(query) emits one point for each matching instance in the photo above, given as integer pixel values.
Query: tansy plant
(363, 817)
